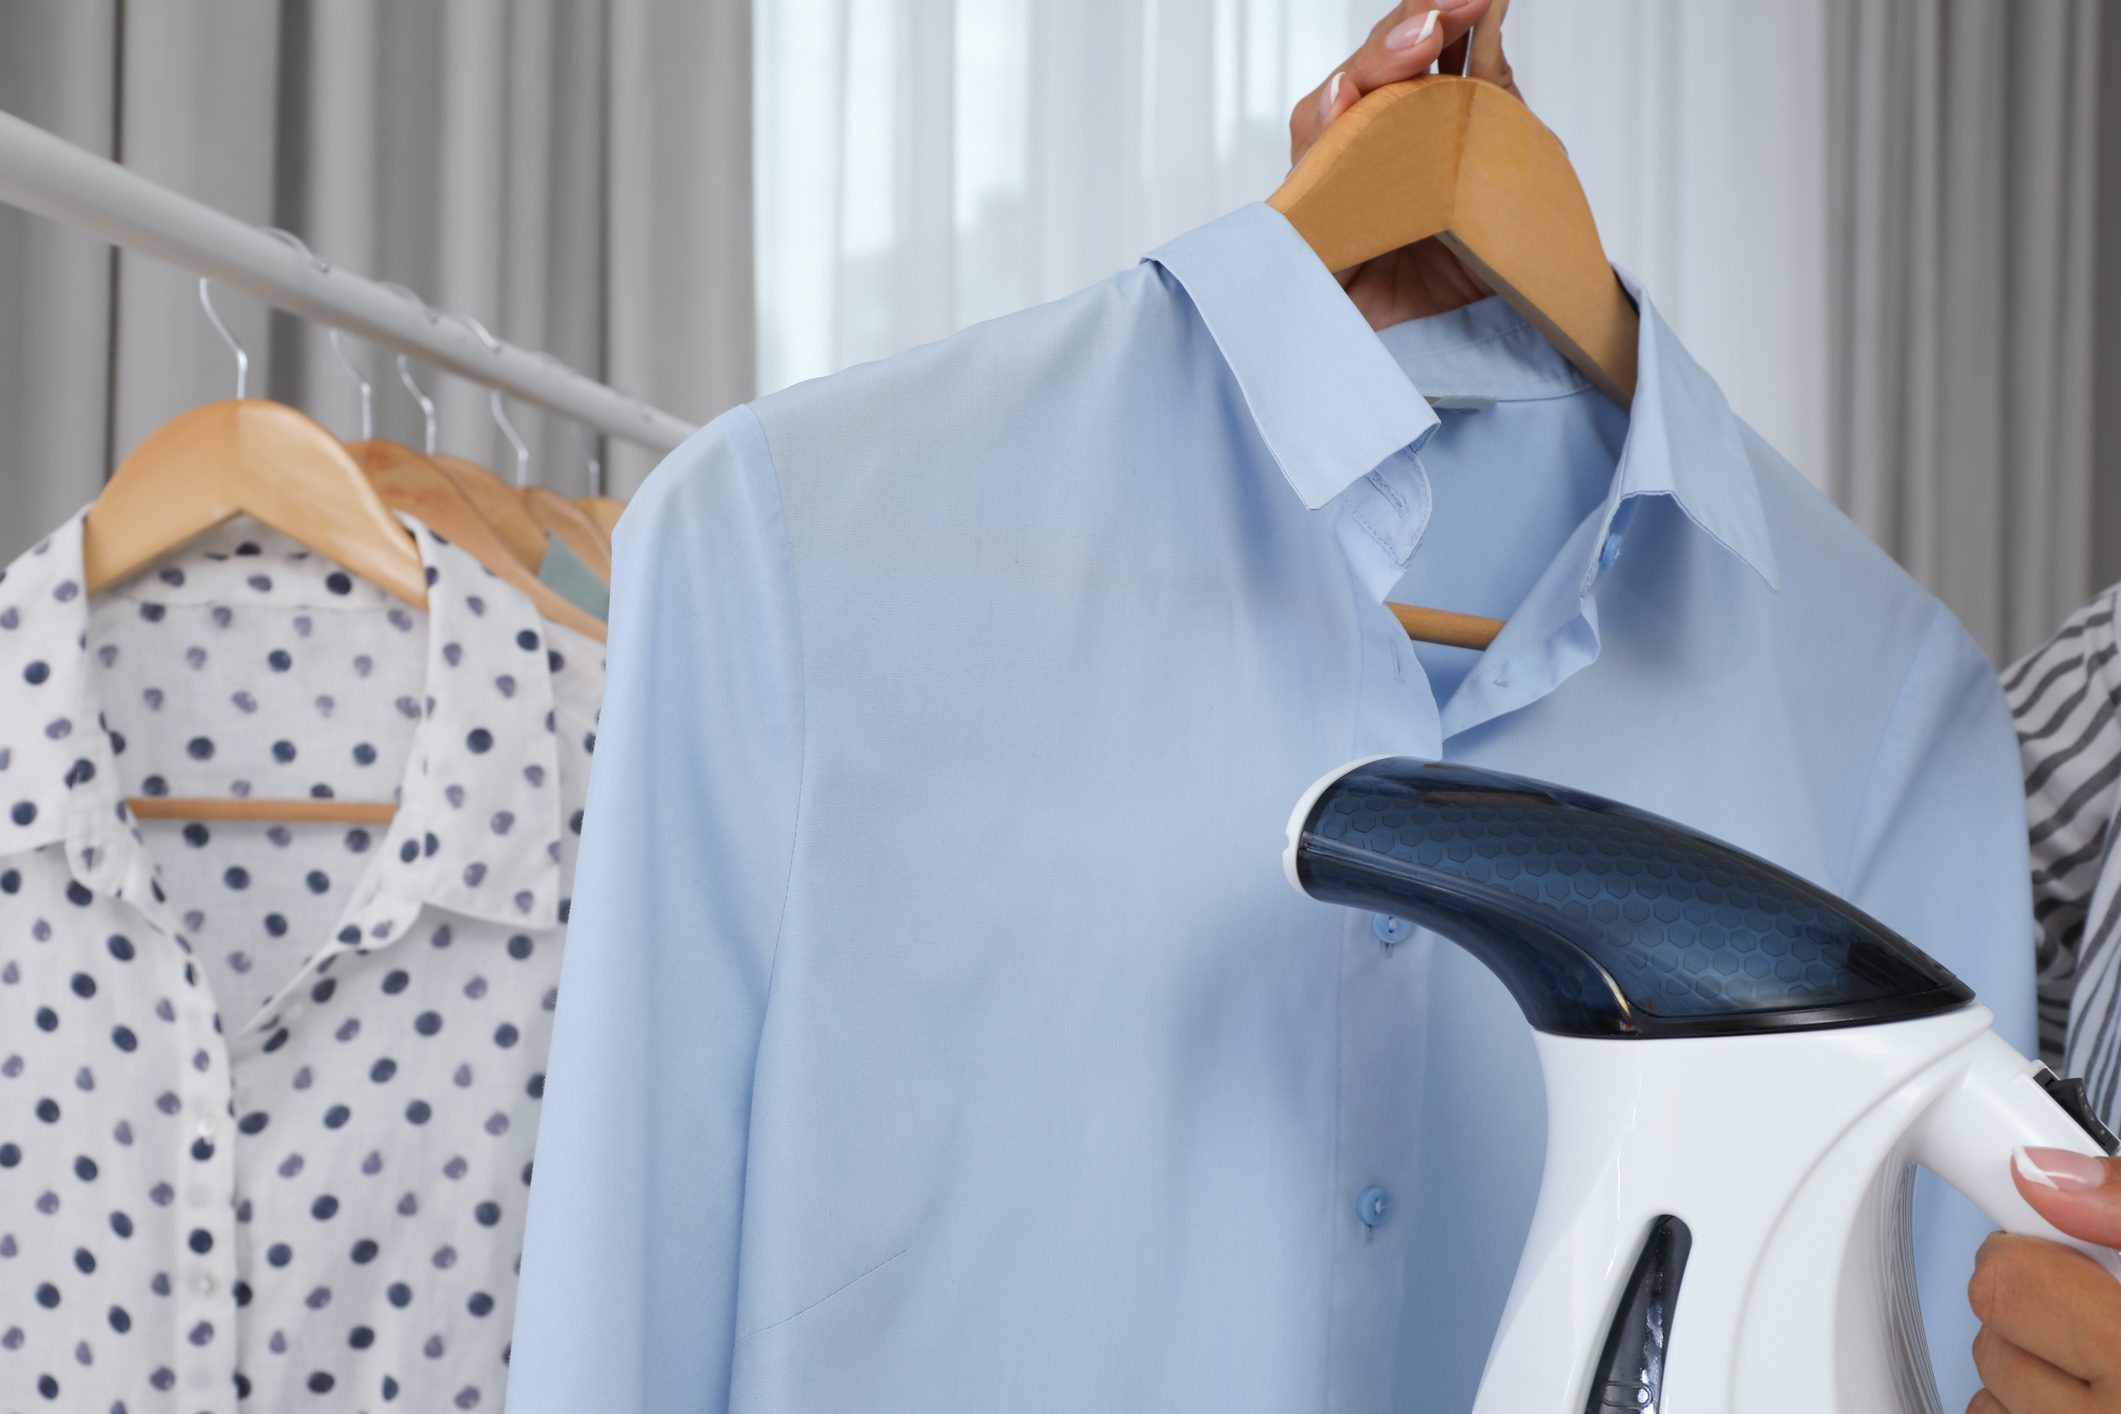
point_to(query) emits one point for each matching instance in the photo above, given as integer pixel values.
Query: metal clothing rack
(50, 176)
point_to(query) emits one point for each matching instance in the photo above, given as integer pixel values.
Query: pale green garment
(563, 572)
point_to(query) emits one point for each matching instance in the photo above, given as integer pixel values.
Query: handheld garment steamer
(1740, 1069)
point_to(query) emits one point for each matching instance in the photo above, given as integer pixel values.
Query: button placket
(201, 1286)
(1381, 994)
(203, 1283)
(1610, 551)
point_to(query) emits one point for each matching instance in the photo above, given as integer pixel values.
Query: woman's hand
(2050, 1340)
(1423, 278)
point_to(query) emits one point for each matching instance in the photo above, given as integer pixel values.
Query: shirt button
(1389, 930)
(203, 1283)
(206, 1128)
(1373, 1205)
(1610, 551)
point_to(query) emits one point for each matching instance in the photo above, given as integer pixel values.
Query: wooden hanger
(554, 512)
(321, 812)
(589, 541)
(604, 510)
(551, 511)
(1453, 630)
(247, 456)
(1463, 161)
(589, 533)
(460, 500)
(415, 484)
(497, 505)
(500, 507)
(409, 482)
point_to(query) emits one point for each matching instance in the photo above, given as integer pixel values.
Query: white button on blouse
(269, 1091)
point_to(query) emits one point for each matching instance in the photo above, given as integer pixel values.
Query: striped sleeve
(2063, 698)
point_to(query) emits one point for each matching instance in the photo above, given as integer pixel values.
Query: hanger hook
(430, 440)
(316, 262)
(515, 439)
(419, 394)
(582, 434)
(323, 267)
(206, 302)
(499, 408)
(368, 393)
(334, 335)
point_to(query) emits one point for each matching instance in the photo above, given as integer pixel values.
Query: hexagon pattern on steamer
(1711, 928)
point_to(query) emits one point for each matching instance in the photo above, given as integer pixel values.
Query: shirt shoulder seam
(802, 696)
(1939, 617)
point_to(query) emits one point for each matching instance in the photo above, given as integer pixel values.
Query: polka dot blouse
(269, 1092)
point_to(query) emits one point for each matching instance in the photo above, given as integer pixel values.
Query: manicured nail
(1329, 98)
(1411, 32)
(2060, 1169)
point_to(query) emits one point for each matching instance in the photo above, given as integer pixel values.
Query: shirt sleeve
(1939, 855)
(2063, 697)
(629, 1279)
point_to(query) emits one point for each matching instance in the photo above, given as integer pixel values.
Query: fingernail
(1411, 32)
(1450, 4)
(2060, 1169)
(1329, 98)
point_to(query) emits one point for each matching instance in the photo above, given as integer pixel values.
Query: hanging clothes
(941, 1032)
(2063, 696)
(565, 572)
(269, 1092)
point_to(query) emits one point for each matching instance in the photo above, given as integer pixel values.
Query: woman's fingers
(1336, 98)
(2050, 1301)
(2020, 1380)
(1403, 44)
(2079, 1193)
(1487, 56)
(1408, 41)
(1489, 62)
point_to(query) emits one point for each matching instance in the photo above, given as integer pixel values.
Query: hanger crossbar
(53, 178)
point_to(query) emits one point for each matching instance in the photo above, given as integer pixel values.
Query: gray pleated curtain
(1966, 169)
(573, 173)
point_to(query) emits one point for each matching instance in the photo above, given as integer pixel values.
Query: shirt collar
(1684, 441)
(479, 815)
(1331, 402)
(58, 781)
(477, 830)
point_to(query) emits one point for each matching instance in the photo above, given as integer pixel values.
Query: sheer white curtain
(1865, 220)
(1703, 167)
(925, 164)
(574, 175)
(1876, 224)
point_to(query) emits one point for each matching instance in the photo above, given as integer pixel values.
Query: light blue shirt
(938, 1032)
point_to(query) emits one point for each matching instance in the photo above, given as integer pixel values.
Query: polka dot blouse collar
(477, 830)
